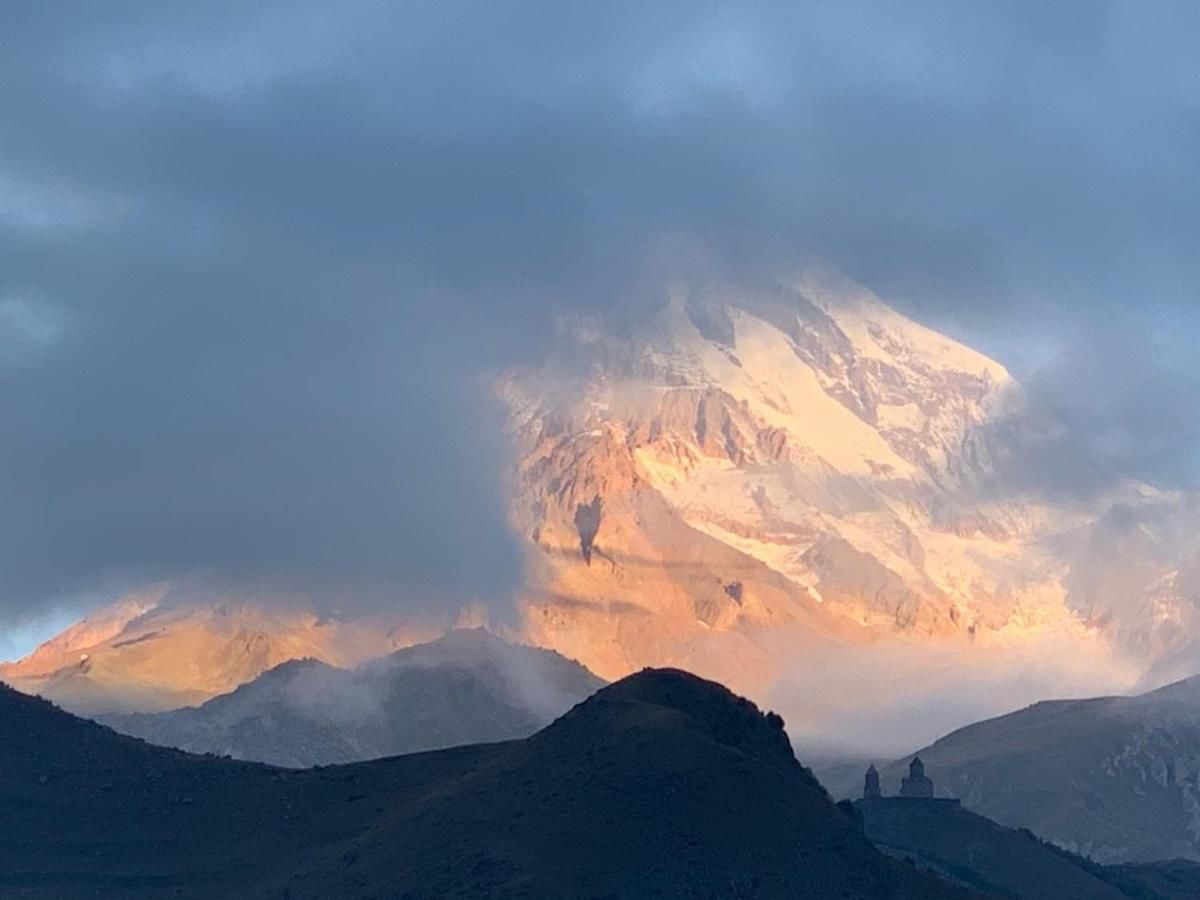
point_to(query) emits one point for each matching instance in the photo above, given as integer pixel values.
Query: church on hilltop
(871, 785)
(916, 785)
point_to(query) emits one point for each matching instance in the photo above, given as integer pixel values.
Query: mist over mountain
(465, 688)
(399, 398)
(258, 263)
(794, 489)
(801, 491)
(263, 269)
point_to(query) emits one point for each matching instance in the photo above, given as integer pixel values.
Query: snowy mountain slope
(806, 457)
(156, 651)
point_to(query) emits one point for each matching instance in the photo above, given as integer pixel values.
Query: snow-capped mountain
(805, 460)
(761, 485)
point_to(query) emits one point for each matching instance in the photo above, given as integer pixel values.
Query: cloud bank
(257, 260)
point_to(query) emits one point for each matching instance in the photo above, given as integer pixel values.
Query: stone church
(915, 785)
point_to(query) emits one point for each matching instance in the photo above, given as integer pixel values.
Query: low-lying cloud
(890, 699)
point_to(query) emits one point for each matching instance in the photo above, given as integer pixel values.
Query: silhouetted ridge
(713, 709)
(662, 785)
(35, 735)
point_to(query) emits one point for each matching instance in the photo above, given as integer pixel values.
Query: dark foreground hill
(948, 839)
(660, 785)
(1176, 879)
(1113, 778)
(467, 687)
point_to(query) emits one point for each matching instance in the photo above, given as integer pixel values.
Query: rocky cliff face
(155, 651)
(805, 459)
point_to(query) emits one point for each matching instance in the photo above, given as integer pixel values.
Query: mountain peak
(696, 703)
(798, 458)
(878, 328)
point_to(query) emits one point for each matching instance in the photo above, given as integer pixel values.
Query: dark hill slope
(86, 812)
(954, 841)
(467, 687)
(959, 844)
(1175, 879)
(1113, 778)
(661, 785)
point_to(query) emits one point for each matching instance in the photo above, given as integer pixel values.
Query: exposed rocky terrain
(467, 687)
(758, 473)
(163, 648)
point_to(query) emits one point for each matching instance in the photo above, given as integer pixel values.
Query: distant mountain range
(660, 785)
(467, 687)
(755, 483)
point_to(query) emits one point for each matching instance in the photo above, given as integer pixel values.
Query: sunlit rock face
(157, 650)
(806, 461)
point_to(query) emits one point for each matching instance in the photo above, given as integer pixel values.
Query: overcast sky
(256, 259)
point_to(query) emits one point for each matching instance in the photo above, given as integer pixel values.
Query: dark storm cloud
(257, 260)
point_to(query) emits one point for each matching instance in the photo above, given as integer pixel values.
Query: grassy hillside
(662, 784)
(959, 843)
